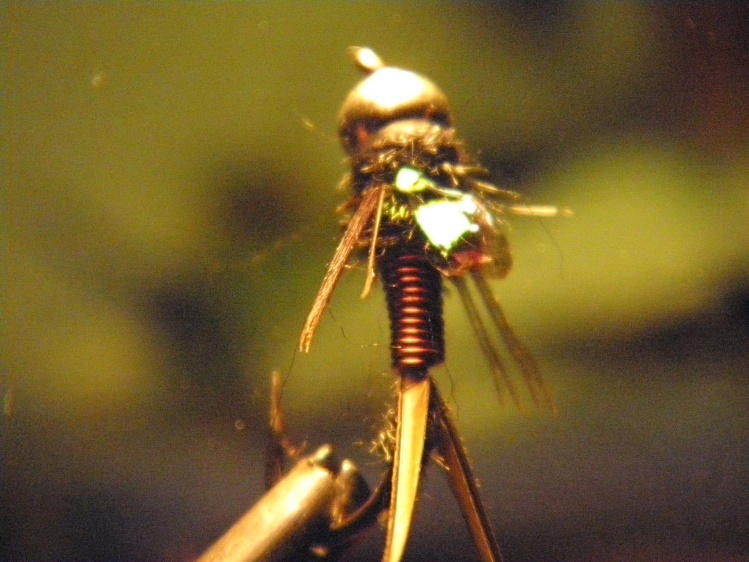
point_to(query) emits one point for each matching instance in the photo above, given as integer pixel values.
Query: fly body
(413, 183)
(419, 213)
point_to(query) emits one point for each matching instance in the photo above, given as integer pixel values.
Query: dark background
(169, 205)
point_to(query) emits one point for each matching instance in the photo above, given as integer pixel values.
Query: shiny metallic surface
(277, 525)
(414, 296)
(389, 94)
(366, 59)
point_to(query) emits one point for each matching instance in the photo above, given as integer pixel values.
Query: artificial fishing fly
(419, 214)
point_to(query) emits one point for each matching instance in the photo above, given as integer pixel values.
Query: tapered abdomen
(413, 289)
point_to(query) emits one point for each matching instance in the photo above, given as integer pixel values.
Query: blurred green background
(169, 208)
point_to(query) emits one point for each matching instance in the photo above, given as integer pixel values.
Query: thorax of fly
(431, 191)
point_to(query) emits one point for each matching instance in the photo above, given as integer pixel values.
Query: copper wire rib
(414, 296)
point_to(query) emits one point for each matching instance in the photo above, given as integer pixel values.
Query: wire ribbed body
(413, 288)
